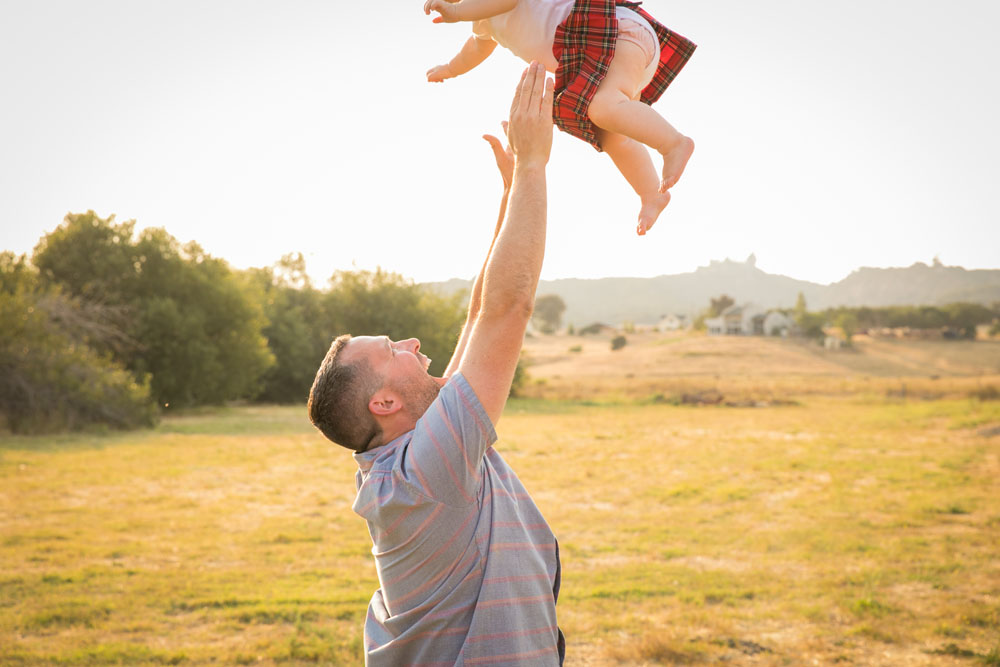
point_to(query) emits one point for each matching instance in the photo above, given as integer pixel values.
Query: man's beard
(418, 395)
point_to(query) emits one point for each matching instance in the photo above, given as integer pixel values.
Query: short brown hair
(338, 400)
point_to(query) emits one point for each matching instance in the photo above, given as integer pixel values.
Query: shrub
(520, 377)
(52, 378)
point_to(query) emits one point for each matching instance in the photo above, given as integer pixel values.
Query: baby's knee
(602, 107)
(612, 142)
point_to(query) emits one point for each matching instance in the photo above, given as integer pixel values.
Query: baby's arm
(475, 51)
(467, 10)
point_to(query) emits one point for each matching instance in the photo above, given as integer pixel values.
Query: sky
(829, 136)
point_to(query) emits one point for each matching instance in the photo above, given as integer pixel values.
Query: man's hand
(510, 277)
(503, 156)
(439, 73)
(446, 9)
(530, 130)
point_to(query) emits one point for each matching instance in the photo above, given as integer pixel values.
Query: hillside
(646, 300)
(741, 367)
(918, 284)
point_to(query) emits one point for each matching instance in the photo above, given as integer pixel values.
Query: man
(468, 569)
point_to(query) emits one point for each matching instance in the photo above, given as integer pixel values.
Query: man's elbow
(513, 308)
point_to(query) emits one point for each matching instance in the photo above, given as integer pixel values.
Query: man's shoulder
(456, 408)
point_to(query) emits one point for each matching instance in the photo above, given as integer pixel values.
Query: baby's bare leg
(616, 108)
(633, 161)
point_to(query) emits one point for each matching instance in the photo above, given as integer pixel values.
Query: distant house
(673, 322)
(778, 324)
(744, 320)
(834, 338)
(748, 320)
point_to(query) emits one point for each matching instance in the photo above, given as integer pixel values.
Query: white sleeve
(481, 30)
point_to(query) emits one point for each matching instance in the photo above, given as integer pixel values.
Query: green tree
(549, 309)
(51, 378)
(965, 317)
(810, 324)
(16, 273)
(298, 331)
(848, 323)
(618, 342)
(380, 302)
(718, 305)
(198, 333)
(90, 257)
(201, 330)
(800, 310)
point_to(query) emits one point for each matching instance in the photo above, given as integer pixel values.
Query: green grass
(839, 530)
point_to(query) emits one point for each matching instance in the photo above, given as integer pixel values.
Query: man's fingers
(527, 84)
(501, 152)
(533, 93)
(539, 92)
(540, 80)
(505, 125)
(550, 87)
(494, 143)
(530, 127)
(517, 92)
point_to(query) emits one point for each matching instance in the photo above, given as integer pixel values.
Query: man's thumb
(494, 143)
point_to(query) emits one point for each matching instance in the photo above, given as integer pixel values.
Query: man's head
(370, 390)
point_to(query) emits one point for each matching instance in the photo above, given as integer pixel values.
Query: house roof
(733, 310)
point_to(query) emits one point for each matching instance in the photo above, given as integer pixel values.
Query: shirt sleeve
(444, 459)
(481, 30)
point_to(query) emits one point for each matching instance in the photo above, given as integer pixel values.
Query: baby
(612, 60)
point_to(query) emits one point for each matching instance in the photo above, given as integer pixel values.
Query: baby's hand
(439, 73)
(448, 12)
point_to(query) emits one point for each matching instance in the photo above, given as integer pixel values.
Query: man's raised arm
(505, 163)
(510, 276)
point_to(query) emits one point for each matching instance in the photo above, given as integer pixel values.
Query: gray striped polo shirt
(467, 567)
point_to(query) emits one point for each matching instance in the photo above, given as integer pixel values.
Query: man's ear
(384, 403)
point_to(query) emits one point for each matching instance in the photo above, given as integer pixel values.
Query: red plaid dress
(584, 45)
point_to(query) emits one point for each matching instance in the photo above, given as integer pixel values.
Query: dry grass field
(829, 508)
(754, 368)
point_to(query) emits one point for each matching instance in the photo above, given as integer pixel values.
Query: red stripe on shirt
(473, 471)
(509, 657)
(447, 465)
(473, 512)
(508, 635)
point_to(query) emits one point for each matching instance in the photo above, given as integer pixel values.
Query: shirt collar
(366, 459)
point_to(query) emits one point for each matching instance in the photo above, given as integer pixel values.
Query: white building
(777, 324)
(747, 320)
(673, 322)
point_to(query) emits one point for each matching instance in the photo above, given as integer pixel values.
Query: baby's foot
(652, 205)
(674, 162)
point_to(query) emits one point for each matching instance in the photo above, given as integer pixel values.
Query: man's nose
(412, 344)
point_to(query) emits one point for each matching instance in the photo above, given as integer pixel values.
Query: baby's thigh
(640, 36)
(627, 70)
